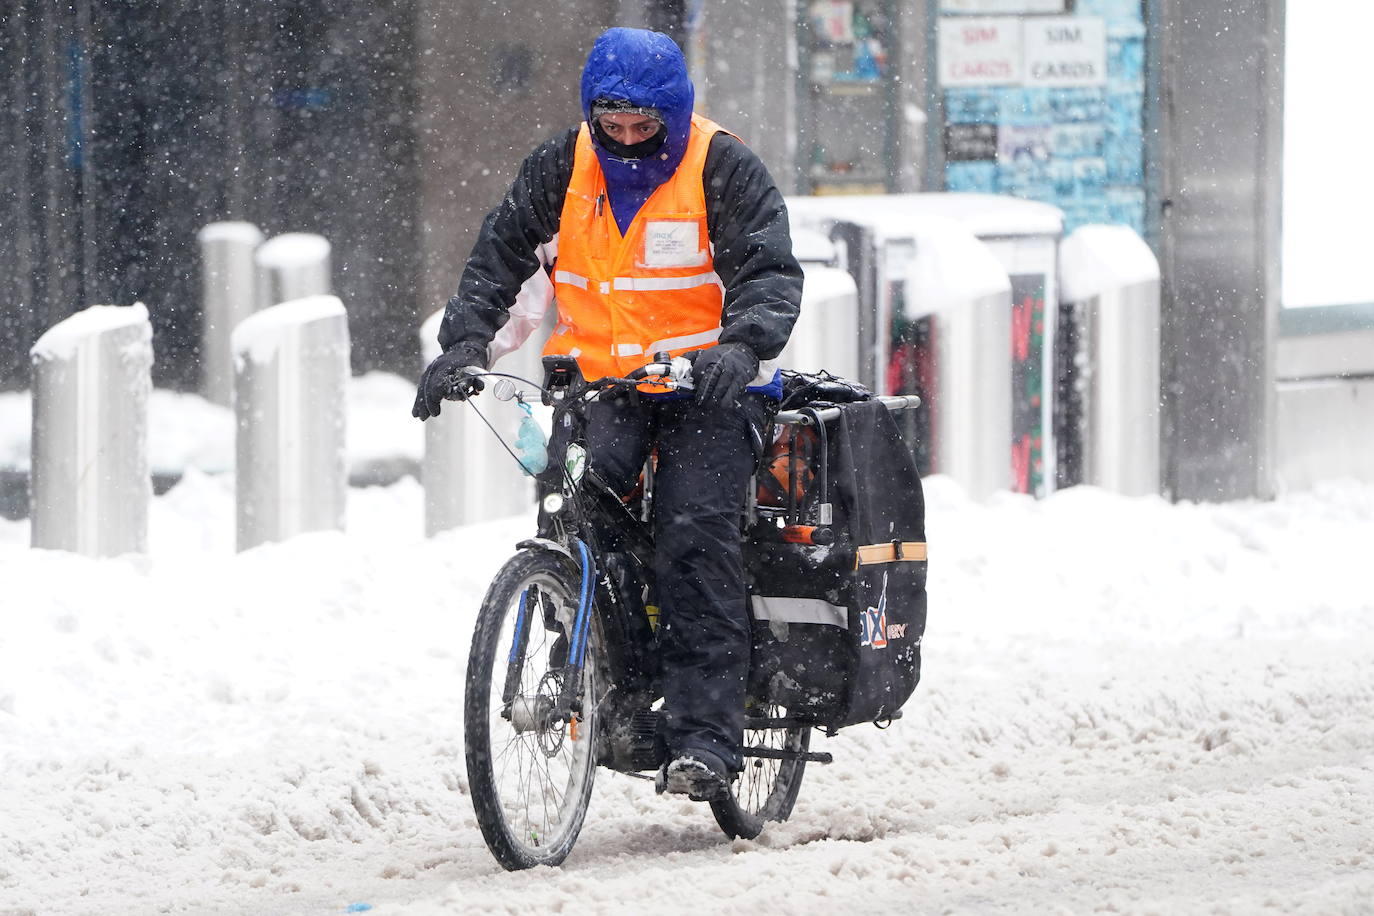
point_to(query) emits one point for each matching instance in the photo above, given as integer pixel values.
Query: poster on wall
(1069, 122)
(980, 51)
(1028, 383)
(971, 142)
(833, 21)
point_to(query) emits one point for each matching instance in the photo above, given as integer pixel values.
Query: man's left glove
(721, 373)
(446, 378)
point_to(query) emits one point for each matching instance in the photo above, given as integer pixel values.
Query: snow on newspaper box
(876, 235)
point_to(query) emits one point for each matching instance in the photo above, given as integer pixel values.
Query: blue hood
(647, 70)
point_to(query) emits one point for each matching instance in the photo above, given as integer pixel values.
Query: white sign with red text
(980, 51)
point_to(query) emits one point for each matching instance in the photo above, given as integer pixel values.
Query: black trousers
(705, 459)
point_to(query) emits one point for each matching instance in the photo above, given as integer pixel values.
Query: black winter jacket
(745, 219)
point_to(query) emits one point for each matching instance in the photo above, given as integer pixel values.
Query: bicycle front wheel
(530, 752)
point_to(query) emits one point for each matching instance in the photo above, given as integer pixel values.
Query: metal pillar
(467, 475)
(292, 266)
(291, 377)
(229, 295)
(92, 376)
(1219, 76)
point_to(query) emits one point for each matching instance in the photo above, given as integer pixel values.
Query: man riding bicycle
(660, 232)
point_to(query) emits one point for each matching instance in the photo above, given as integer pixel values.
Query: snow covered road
(1126, 706)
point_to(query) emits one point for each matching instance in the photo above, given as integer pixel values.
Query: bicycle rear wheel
(530, 769)
(767, 788)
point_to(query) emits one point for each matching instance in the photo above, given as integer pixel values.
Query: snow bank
(185, 431)
(380, 429)
(1126, 705)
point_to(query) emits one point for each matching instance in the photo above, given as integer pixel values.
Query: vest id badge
(672, 243)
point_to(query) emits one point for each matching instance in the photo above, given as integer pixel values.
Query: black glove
(445, 378)
(721, 373)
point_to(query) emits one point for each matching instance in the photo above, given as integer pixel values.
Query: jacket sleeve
(747, 222)
(514, 244)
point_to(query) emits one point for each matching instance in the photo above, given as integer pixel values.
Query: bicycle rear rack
(815, 418)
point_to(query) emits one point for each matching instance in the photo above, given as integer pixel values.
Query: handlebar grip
(661, 365)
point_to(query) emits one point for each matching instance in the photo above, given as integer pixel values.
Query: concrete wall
(1325, 423)
(746, 66)
(494, 80)
(1325, 431)
(916, 23)
(743, 58)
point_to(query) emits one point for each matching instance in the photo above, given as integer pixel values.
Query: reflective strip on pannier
(890, 552)
(799, 610)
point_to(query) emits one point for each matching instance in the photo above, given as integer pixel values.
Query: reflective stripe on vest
(622, 299)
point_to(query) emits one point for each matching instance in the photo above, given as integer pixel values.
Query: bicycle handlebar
(676, 375)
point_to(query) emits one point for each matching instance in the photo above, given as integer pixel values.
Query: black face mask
(641, 150)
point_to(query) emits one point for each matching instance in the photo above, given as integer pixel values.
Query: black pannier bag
(838, 627)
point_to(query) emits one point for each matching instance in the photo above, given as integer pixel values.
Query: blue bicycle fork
(577, 646)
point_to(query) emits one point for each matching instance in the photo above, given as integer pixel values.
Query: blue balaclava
(639, 69)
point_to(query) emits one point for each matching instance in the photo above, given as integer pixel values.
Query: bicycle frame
(615, 577)
(568, 617)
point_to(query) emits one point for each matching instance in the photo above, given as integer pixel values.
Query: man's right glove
(447, 377)
(722, 372)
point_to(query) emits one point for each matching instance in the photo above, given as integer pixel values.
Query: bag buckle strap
(894, 551)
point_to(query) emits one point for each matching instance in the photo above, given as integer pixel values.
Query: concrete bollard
(290, 384)
(1110, 347)
(467, 475)
(229, 288)
(826, 335)
(89, 481)
(963, 294)
(293, 266)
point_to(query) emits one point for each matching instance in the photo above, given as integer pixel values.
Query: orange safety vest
(621, 299)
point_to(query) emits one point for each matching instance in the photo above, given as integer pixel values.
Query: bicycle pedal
(691, 777)
(645, 751)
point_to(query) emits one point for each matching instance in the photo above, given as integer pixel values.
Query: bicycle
(562, 675)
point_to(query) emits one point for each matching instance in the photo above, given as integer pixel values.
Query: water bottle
(530, 445)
